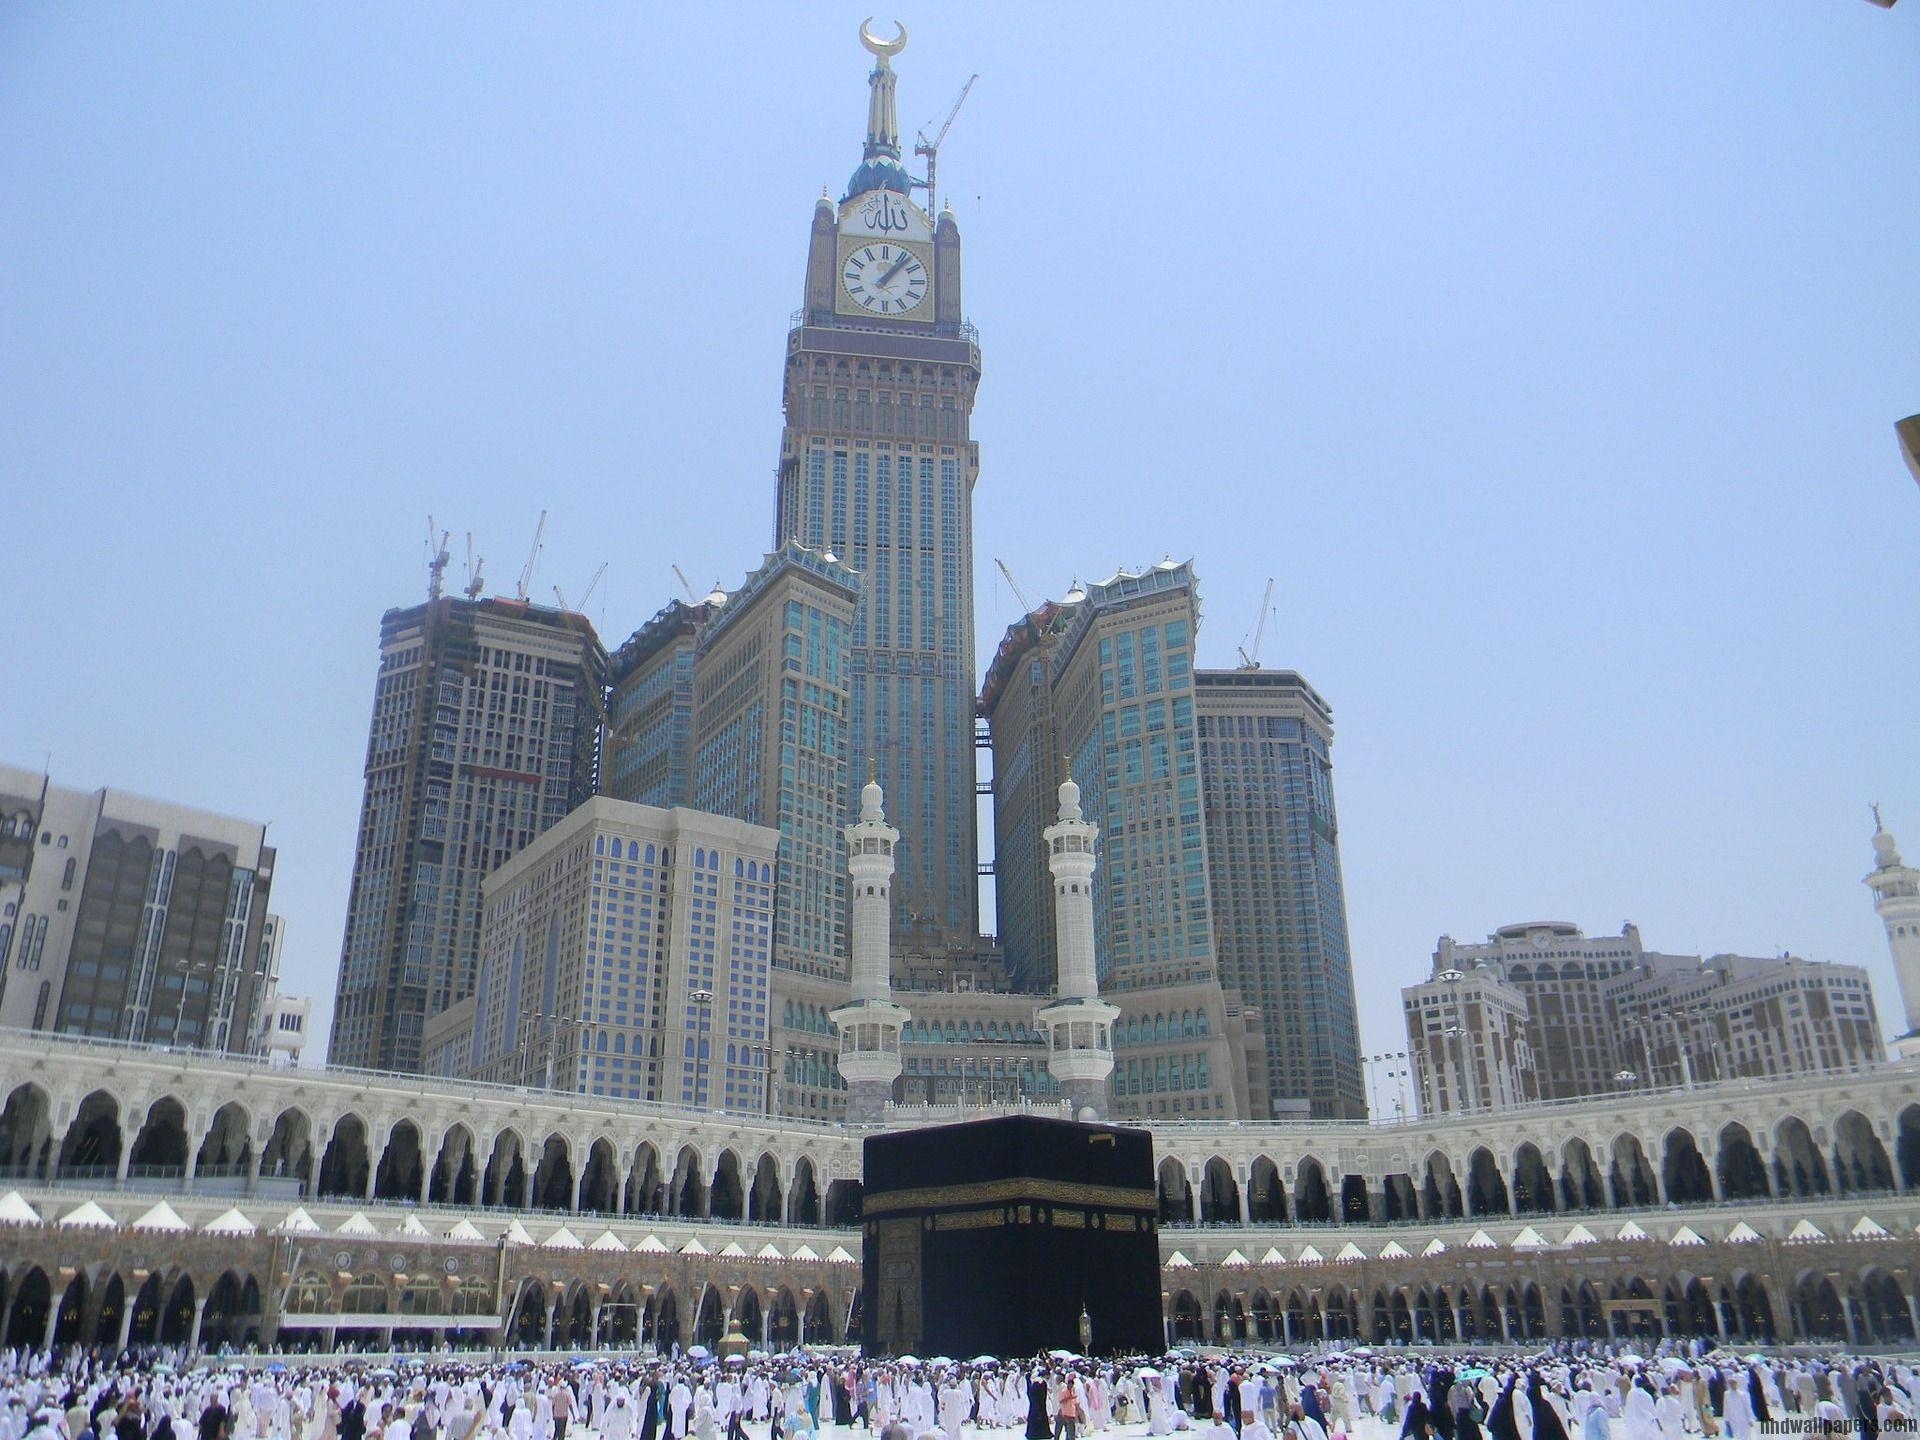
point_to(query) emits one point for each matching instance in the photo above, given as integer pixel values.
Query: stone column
(1246, 1197)
(1720, 1320)
(190, 1169)
(373, 1173)
(573, 1204)
(1506, 1322)
(1193, 1197)
(1913, 1312)
(126, 1159)
(126, 1321)
(199, 1313)
(526, 1188)
(254, 1162)
(53, 1319)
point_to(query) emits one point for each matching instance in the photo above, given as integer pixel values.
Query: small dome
(1075, 595)
(715, 596)
(882, 172)
(872, 801)
(1885, 853)
(1069, 799)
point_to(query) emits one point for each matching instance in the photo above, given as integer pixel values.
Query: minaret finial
(1877, 826)
(873, 770)
(883, 126)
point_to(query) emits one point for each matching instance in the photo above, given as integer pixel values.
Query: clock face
(885, 279)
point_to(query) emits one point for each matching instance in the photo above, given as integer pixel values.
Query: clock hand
(893, 270)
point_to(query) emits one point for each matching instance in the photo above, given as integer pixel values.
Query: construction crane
(931, 148)
(526, 574)
(592, 585)
(1026, 605)
(686, 584)
(437, 559)
(476, 582)
(1250, 658)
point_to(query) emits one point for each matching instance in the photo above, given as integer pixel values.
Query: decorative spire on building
(870, 1023)
(1896, 899)
(880, 167)
(1078, 1023)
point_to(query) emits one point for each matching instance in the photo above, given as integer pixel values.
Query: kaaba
(995, 1235)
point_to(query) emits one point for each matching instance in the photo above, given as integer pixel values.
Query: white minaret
(1079, 1024)
(870, 1023)
(1896, 899)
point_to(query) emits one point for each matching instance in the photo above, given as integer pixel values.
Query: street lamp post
(701, 1000)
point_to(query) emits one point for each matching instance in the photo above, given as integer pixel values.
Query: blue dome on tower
(879, 172)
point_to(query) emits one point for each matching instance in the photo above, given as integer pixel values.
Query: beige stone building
(128, 918)
(1542, 1011)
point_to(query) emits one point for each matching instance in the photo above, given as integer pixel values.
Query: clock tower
(877, 464)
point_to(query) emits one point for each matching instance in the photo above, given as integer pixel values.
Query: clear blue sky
(1547, 354)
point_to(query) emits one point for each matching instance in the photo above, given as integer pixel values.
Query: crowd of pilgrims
(1568, 1393)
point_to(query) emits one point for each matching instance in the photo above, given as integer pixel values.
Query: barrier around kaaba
(998, 1236)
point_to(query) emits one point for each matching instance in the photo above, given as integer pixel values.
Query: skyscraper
(1102, 684)
(650, 707)
(753, 690)
(485, 733)
(626, 954)
(877, 464)
(1273, 862)
(1016, 700)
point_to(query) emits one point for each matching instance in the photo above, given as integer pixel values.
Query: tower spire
(880, 167)
(883, 123)
(1896, 899)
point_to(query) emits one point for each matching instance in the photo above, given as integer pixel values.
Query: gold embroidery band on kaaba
(969, 1220)
(1057, 1192)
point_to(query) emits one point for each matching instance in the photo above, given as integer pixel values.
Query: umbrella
(276, 1367)
(1672, 1364)
(383, 1373)
(735, 1360)
(1146, 1374)
(940, 1360)
(162, 1368)
(984, 1360)
(1062, 1355)
(698, 1352)
(1472, 1372)
(909, 1360)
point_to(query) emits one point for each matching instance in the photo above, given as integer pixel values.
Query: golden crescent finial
(883, 48)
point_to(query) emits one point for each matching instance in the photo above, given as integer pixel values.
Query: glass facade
(1279, 906)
